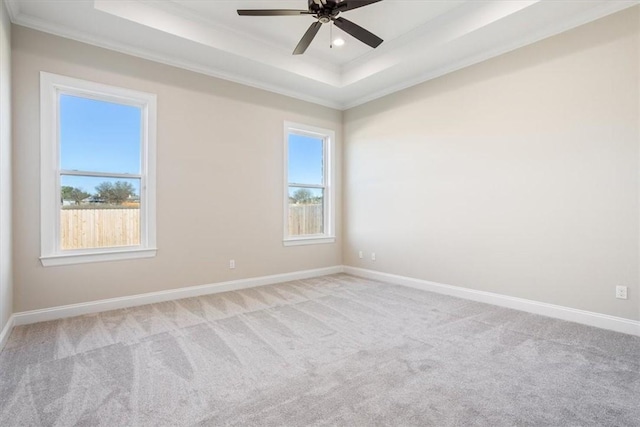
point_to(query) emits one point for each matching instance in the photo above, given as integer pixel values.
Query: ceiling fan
(324, 11)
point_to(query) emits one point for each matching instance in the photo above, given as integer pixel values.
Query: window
(309, 197)
(97, 172)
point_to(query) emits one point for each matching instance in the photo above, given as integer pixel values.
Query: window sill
(308, 241)
(86, 257)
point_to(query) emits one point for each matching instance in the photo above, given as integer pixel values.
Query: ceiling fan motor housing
(324, 7)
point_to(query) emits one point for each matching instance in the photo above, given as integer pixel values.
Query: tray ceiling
(423, 39)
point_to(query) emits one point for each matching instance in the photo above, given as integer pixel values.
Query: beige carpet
(336, 350)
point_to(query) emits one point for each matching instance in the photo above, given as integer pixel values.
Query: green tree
(122, 190)
(65, 191)
(302, 195)
(72, 193)
(77, 195)
(116, 193)
(104, 191)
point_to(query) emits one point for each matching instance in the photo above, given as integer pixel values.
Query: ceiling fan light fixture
(338, 42)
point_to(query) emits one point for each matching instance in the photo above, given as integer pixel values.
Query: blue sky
(98, 136)
(305, 160)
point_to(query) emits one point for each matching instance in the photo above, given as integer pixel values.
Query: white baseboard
(598, 320)
(6, 331)
(603, 321)
(34, 316)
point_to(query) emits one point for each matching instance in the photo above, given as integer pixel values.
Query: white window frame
(51, 87)
(328, 136)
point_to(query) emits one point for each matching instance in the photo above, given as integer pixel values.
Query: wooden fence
(97, 228)
(305, 219)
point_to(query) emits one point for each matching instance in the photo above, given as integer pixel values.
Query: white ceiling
(423, 39)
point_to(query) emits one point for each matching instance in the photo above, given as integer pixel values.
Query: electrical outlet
(360, 255)
(373, 256)
(232, 264)
(621, 292)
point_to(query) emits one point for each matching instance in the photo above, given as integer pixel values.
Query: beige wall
(517, 176)
(6, 282)
(220, 178)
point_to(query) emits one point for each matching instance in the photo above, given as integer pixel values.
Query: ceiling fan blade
(345, 5)
(358, 32)
(307, 38)
(272, 12)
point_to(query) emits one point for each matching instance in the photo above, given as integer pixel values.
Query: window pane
(99, 136)
(99, 212)
(306, 211)
(305, 160)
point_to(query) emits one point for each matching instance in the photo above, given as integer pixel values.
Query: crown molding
(606, 9)
(351, 95)
(13, 8)
(62, 31)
